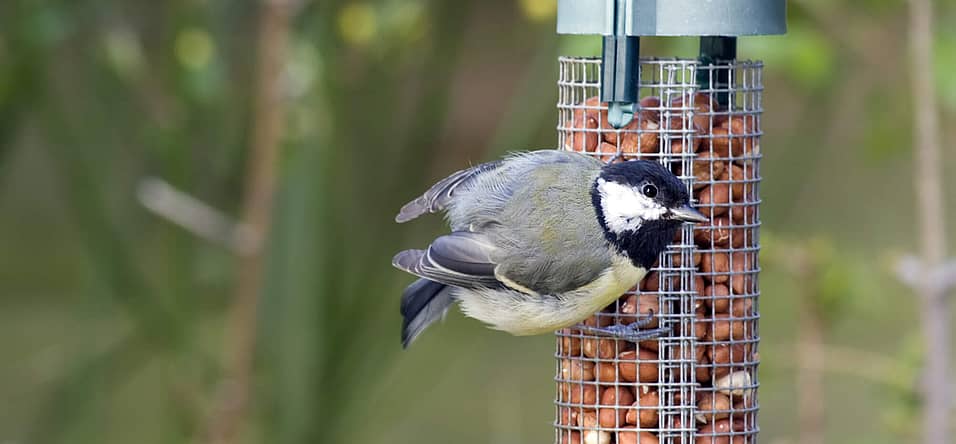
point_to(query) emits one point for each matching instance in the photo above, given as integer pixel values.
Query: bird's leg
(630, 332)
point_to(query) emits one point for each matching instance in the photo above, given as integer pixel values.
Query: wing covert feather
(533, 222)
(548, 235)
(461, 259)
(439, 195)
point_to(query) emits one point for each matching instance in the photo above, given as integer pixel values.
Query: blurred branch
(812, 395)
(934, 307)
(196, 216)
(911, 270)
(350, 327)
(810, 346)
(267, 118)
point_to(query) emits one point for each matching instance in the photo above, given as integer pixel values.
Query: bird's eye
(649, 190)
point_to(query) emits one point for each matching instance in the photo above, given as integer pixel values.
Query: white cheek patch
(625, 208)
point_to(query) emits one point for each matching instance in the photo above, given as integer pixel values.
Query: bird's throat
(645, 244)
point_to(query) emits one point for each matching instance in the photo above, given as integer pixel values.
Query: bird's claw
(631, 332)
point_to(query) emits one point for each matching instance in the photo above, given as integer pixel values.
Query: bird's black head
(640, 205)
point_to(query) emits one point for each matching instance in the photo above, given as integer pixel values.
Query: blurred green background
(114, 322)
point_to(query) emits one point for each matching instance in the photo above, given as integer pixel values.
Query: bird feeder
(701, 119)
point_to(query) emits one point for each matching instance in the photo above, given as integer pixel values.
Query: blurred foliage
(839, 282)
(804, 56)
(902, 400)
(112, 317)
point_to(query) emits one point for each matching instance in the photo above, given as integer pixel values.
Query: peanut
(739, 181)
(649, 108)
(721, 233)
(707, 169)
(738, 383)
(588, 419)
(725, 356)
(651, 345)
(628, 437)
(615, 399)
(608, 153)
(600, 319)
(714, 199)
(742, 126)
(606, 371)
(568, 416)
(570, 437)
(570, 345)
(702, 325)
(713, 406)
(573, 393)
(577, 370)
(644, 140)
(743, 214)
(717, 432)
(639, 306)
(730, 139)
(715, 266)
(726, 328)
(648, 412)
(742, 264)
(677, 146)
(583, 135)
(597, 437)
(601, 348)
(703, 364)
(643, 371)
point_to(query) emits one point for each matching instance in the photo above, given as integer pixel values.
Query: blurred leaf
(74, 149)
(803, 56)
(358, 23)
(404, 22)
(194, 48)
(903, 406)
(124, 53)
(837, 293)
(295, 274)
(538, 10)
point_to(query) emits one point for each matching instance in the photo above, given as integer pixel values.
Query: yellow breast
(531, 314)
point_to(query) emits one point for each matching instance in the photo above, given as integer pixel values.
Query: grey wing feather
(549, 237)
(531, 211)
(438, 196)
(460, 259)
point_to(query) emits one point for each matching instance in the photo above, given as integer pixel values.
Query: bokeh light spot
(538, 10)
(358, 23)
(194, 48)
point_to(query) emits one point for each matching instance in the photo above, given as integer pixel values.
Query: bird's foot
(630, 332)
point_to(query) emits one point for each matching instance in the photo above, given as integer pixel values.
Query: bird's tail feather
(423, 303)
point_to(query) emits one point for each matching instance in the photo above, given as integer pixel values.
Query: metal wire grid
(699, 383)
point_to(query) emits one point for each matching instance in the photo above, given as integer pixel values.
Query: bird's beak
(687, 214)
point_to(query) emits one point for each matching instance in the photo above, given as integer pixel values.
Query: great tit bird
(540, 241)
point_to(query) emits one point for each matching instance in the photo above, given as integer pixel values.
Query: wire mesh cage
(698, 383)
